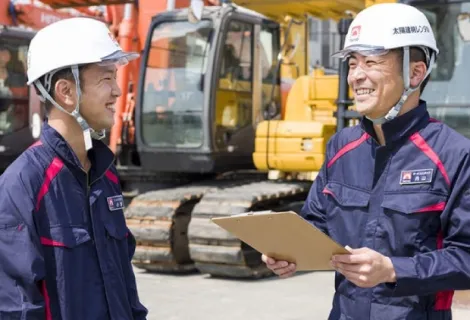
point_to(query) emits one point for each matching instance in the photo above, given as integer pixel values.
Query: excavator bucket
(82, 3)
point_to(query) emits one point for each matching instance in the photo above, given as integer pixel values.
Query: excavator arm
(322, 9)
(36, 15)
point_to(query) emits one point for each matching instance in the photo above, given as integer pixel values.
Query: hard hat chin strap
(393, 113)
(88, 133)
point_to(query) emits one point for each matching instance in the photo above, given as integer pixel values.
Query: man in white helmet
(396, 188)
(65, 249)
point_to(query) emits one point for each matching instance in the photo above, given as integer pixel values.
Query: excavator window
(234, 93)
(269, 51)
(14, 102)
(173, 99)
(447, 91)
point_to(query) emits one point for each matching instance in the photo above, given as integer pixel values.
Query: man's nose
(357, 74)
(116, 90)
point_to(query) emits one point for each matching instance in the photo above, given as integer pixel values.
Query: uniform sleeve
(314, 208)
(21, 260)
(447, 268)
(139, 312)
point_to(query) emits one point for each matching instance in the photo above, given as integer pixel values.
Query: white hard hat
(70, 43)
(386, 26)
(382, 27)
(73, 41)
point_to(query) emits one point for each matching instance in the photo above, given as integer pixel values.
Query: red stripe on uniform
(50, 242)
(350, 146)
(435, 207)
(51, 172)
(111, 176)
(419, 141)
(45, 294)
(326, 191)
(443, 298)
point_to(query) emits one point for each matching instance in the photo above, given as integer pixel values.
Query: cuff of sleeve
(405, 273)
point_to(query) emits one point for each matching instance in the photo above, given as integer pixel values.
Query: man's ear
(65, 94)
(417, 72)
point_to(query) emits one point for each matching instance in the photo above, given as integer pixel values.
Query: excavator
(250, 130)
(221, 115)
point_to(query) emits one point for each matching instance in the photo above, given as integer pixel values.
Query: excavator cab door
(202, 89)
(234, 93)
(247, 76)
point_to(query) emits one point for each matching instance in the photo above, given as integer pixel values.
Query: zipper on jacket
(89, 184)
(88, 206)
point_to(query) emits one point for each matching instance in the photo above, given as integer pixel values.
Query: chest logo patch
(115, 202)
(416, 176)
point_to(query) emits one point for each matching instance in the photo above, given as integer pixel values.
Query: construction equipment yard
(200, 297)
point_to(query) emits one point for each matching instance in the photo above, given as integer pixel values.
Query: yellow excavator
(237, 116)
(237, 112)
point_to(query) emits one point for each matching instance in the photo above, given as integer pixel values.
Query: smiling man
(396, 188)
(65, 249)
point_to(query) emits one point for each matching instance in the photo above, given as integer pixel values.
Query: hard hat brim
(119, 58)
(362, 50)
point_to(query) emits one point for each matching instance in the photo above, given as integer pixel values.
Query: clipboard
(284, 236)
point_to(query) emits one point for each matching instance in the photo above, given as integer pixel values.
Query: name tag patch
(115, 203)
(416, 176)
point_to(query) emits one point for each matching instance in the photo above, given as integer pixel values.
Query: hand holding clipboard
(284, 236)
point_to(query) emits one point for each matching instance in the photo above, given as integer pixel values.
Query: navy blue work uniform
(65, 249)
(408, 200)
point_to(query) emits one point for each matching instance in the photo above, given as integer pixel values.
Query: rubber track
(217, 252)
(159, 222)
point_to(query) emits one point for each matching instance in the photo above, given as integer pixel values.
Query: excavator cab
(203, 87)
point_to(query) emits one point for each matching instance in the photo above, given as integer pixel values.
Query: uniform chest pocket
(415, 214)
(414, 203)
(66, 237)
(66, 248)
(346, 196)
(115, 226)
(346, 212)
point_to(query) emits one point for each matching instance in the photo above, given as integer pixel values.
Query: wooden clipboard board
(284, 236)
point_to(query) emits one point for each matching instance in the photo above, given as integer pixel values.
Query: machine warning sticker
(115, 203)
(416, 176)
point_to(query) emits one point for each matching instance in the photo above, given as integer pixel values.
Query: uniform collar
(101, 157)
(402, 126)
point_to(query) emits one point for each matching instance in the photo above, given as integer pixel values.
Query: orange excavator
(21, 112)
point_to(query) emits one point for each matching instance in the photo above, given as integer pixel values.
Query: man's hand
(283, 269)
(364, 267)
